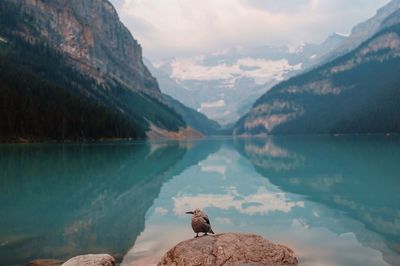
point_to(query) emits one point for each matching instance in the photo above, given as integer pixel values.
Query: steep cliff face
(91, 34)
(357, 93)
(80, 74)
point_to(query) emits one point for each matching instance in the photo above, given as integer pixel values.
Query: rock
(92, 35)
(91, 260)
(45, 262)
(228, 249)
(118, 257)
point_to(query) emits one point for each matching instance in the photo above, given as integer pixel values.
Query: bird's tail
(212, 232)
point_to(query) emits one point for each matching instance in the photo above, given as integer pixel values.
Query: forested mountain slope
(356, 93)
(71, 70)
(193, 118)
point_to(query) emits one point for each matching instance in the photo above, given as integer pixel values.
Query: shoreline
(23, 141)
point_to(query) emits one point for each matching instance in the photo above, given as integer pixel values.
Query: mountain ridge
(343, 96)
(362, 32)
(194, 119)
(91, 34)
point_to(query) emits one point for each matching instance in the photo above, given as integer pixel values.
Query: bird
(200, 222)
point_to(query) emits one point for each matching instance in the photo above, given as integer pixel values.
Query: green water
(334, 200)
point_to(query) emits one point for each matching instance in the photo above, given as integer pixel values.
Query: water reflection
(57, 201)
(281, 189)
(356, 176)
(334, 200)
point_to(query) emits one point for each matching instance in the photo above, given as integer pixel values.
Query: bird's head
(195, 212)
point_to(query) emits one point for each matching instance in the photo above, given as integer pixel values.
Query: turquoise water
(334, 200)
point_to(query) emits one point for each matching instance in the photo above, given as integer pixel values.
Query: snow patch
(216, 104)
(260, 70)
(297, 49)
(342, 34)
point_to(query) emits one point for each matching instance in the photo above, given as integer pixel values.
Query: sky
(178, 28)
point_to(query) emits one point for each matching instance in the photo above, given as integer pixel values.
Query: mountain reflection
(357, 176)
(333, 200)
(57, 201)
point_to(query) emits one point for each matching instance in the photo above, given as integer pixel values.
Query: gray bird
(200, 222)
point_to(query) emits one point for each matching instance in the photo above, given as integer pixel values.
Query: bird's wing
(206, 219)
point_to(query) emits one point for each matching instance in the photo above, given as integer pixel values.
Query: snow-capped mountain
(224, 84)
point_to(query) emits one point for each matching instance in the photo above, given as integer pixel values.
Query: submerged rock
(91, 260)
(45, 262)
(228, 249)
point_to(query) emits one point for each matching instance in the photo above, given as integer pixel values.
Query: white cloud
(161, 211)
(220, 169)
(262, 202)
(185, 27)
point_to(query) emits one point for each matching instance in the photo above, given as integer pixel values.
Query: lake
(334, 200)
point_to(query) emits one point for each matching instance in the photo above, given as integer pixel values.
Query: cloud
(168, 28)
(282, 6)
(262, 202)
(213, 168)
(161, 211)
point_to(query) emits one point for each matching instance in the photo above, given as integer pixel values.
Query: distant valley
(223, 85)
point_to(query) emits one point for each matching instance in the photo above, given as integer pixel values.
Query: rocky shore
(212, 250)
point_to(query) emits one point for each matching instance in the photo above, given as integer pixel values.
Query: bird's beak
(189, 212)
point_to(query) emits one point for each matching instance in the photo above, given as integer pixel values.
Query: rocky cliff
(81, 74)
(91, 33)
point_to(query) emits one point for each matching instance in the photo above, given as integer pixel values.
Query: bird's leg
(197, 235)
(205, 234)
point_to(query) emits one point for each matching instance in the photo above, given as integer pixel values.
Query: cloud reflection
(262, 202)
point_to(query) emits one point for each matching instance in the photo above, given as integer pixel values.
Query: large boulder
(91, 260)
(228, 249)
